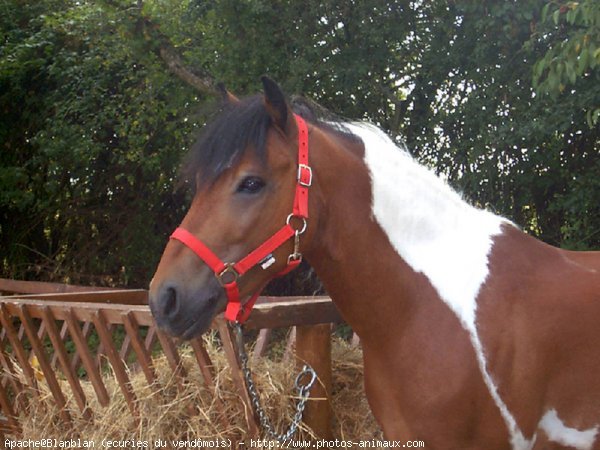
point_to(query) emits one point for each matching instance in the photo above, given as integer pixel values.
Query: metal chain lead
(303, 391)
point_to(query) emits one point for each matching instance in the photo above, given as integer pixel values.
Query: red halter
(228, 273)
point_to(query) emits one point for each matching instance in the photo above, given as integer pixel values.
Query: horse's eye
(251, 185)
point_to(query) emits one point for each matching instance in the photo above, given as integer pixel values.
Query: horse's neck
(389, 222)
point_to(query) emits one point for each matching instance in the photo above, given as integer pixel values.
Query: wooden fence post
(313, 347)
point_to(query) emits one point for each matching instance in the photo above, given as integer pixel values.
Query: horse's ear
(226, 96)
(277, 106)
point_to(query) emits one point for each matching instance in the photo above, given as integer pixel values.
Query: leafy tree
(94, 127)
(572, 30)
(100, 99)
(475, 115)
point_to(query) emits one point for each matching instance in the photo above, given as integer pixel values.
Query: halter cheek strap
(228, 273)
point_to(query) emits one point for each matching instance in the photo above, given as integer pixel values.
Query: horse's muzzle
(183, 313)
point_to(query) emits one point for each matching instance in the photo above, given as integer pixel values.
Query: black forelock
(236, 126)
(242, 125)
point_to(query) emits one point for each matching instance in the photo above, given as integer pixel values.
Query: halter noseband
(228, 273)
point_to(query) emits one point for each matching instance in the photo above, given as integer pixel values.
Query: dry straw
(165, 410)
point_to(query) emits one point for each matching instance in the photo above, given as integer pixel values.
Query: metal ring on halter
(303, 219)
(229, 269)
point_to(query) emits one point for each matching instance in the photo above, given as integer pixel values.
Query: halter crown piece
(228, 273)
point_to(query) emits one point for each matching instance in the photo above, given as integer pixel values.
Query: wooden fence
(48, 337)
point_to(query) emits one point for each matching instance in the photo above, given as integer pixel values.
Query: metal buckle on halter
(296, 256)
(228, 270)
(304, 169)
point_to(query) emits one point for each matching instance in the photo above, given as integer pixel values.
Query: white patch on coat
(438, 234)
(558, 432)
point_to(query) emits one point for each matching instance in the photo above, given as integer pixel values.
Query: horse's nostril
(169, 301)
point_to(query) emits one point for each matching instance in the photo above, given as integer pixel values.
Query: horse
(475, 335)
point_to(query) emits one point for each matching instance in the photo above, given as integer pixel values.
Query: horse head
(245, 170)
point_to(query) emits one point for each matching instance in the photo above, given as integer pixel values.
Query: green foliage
(572, 31)
(501, 97)
(477, 117)
(93, 127)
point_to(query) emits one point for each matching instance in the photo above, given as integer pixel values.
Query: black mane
(245, 124)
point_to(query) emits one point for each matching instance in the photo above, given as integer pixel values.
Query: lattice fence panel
(53, 347)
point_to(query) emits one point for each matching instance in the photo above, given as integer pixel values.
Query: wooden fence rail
(40, 287)
(49, 337)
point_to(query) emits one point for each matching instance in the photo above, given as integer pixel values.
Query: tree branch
(168, 53)
(204, 84)
(161, 45)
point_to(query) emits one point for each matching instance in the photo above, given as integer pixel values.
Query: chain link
(302, 388)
